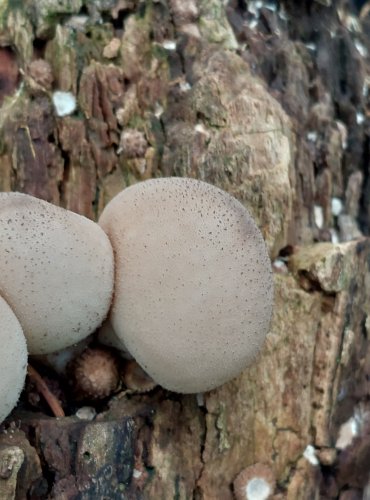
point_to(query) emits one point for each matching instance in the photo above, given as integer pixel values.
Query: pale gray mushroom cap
(56, 271)
(13, 359)
(193, 285)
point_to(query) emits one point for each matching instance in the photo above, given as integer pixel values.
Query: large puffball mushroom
(56, 271)
(193, 285)
(13, 359)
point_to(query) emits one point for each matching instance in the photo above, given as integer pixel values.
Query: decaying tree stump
(269, 102)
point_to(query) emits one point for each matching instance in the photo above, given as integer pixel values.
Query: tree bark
(270, 103)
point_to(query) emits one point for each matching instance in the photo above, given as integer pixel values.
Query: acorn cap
(193, 285)
(56, 271)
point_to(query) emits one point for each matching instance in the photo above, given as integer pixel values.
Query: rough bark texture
(268, 101)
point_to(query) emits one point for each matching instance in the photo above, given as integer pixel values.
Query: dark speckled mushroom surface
(193, 285)
(56, 271)
(13, 358)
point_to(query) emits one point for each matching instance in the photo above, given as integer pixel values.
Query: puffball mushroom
(256, 482)
(13, 359)
(193, 285)
(94, 374)
(56, 271)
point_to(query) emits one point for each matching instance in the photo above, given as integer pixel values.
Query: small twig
(49, 397)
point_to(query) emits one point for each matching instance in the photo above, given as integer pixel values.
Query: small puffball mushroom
(193, 284)
(94, 374)
(135, 379)
(256, 482)
(56, 271)
(13, 359)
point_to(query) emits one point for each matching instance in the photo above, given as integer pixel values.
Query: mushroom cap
(56, 271)
(13, 359)
(94, 373)
(193, 286)
(135, 379)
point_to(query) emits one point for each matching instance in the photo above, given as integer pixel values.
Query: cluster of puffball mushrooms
(178, 265)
